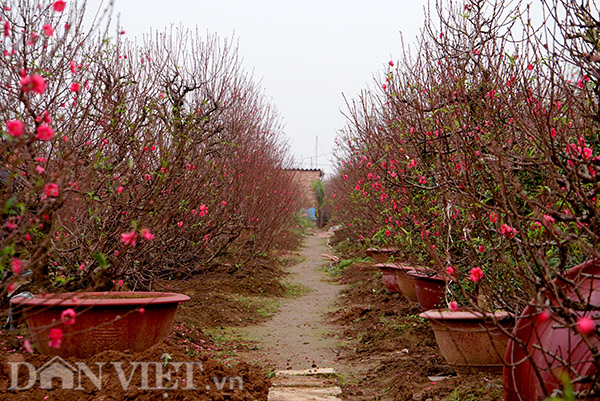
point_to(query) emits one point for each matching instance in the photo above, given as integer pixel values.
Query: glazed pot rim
(398, 266)
(104, 298)
(447, 314)
(423, 274)
(383, 250)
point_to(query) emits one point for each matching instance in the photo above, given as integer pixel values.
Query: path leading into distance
(297, 340)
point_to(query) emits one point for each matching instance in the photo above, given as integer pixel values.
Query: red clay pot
(471, 341)
(520, 380)
(382, 255)
(396, 279)
(430, 289)
(104, 320)
(406, 283)
(388, 274)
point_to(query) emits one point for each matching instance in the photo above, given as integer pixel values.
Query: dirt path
(297, 336)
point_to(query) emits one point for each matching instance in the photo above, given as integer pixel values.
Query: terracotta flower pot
(471, 341)
(406, 283)
(430, 289)
(388, 275)
(396, 279)
(382, 255)
(548, 341)
(103, 320)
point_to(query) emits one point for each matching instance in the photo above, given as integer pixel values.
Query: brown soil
(374, 339)
(207, 375)
(390, 353)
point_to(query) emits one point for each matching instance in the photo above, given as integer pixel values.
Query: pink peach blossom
(544, 316)
(55, 337)
(586, 325)
(129, 238)
(476, 274)
(51, 190)
(508, 231)
(146, 234)
(548, 220)
(59, 5)
(68, 316)
(34, 83)
(15, 127)
(16, 265)
(27, 346)
(48, 30)
(44, 132)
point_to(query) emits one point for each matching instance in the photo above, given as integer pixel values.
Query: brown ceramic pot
(471, 341)
(103, 321)
(430, 290)
(396, 279)
(549, 346)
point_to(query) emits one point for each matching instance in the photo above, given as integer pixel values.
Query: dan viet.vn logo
(143, 375)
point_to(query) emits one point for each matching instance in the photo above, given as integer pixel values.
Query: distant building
(305, 178)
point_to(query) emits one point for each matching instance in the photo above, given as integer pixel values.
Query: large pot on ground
(382, 255)
(471, 341)
(388, 275)
(396, 278)
(406, 283)
(430, 289)
(103, 320)
(550, 346)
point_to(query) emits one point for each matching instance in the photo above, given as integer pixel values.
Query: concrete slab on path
(304, 394)
(306, 372)
(304, 385)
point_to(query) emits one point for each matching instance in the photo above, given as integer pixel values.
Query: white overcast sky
(305, 54)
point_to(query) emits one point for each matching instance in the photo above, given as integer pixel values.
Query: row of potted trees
(477, 158)
(468, 340)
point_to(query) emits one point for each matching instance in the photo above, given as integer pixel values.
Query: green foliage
(319, 188)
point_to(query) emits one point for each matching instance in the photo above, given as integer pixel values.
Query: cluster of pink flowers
(51, 190)
(508, 231)
(35, 83)
(130, 237)
(55, 337)
(476, 274)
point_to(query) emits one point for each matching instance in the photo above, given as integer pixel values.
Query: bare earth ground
(315, 315)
